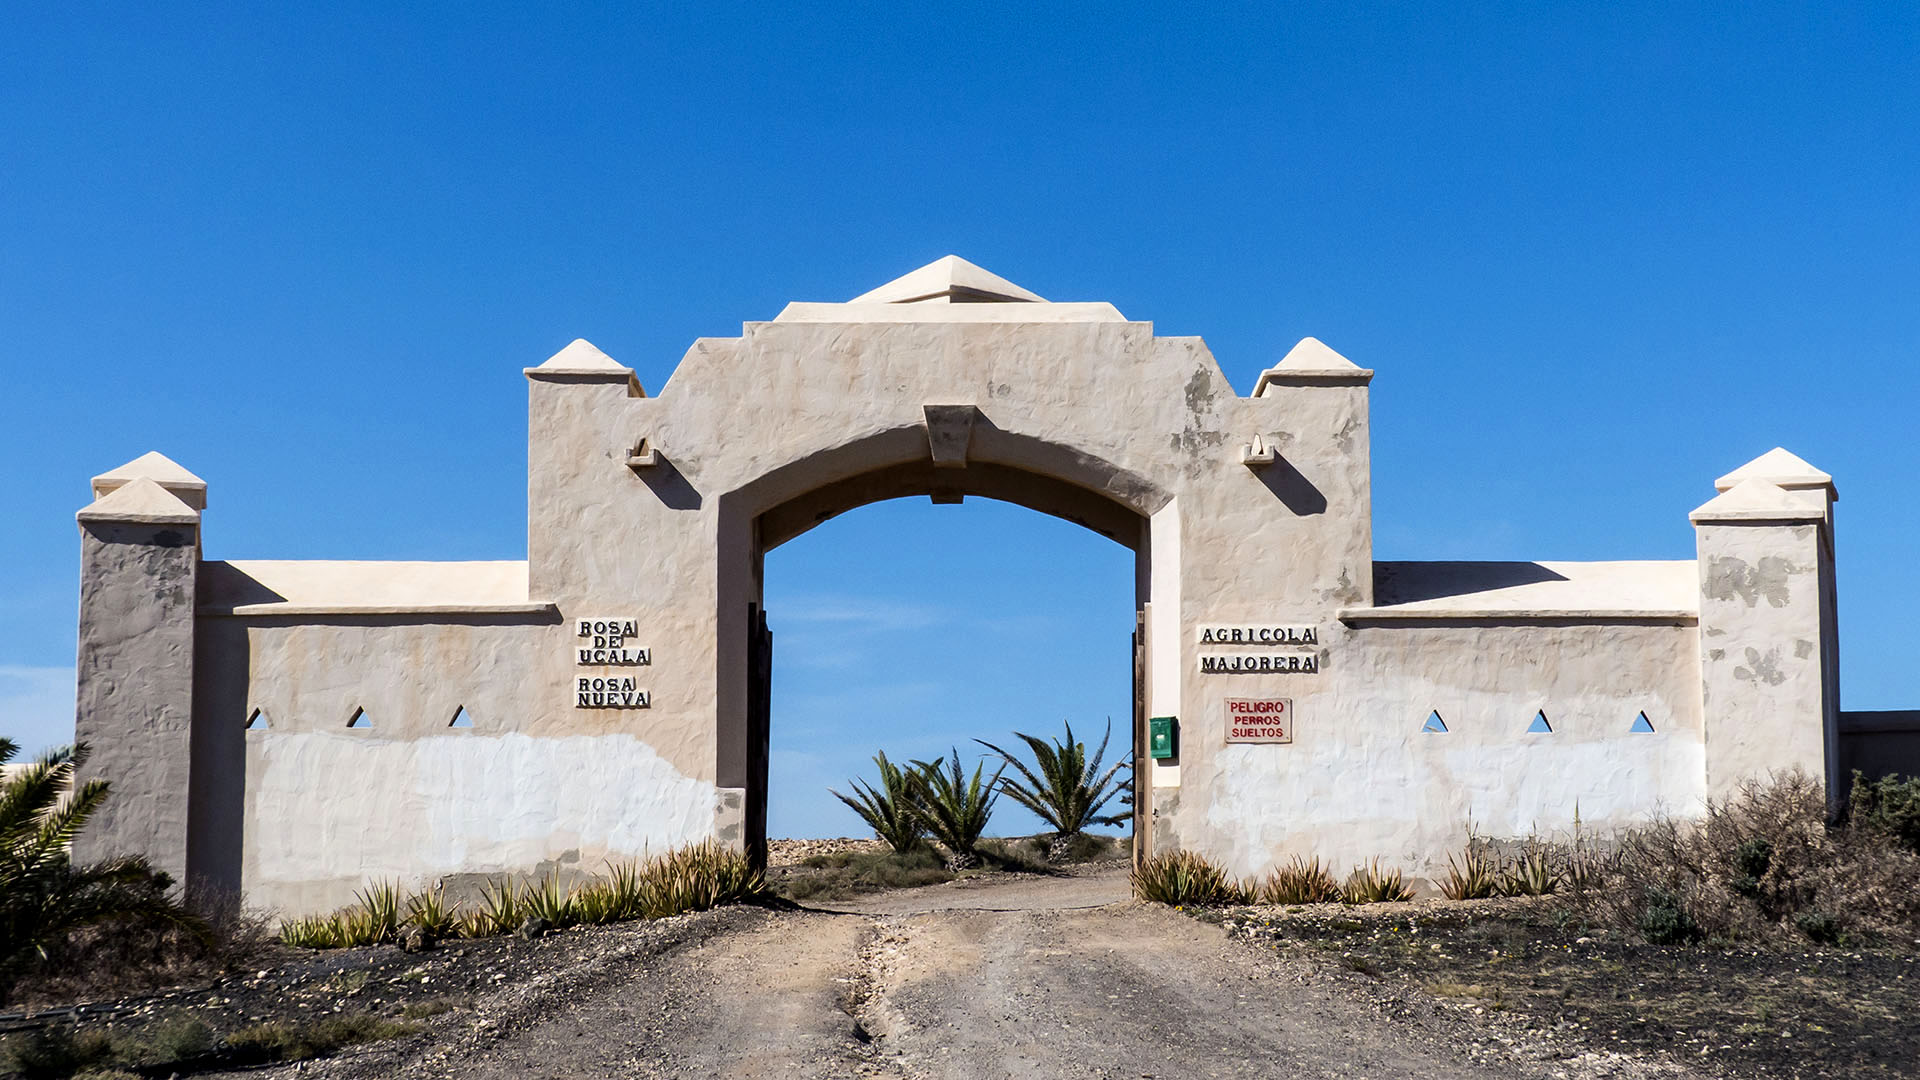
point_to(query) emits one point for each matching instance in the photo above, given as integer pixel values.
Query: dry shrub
(1761, 864)
(1890, 805)
(1301, 881)
(848, 872)
(134, 956)
(1186, 878)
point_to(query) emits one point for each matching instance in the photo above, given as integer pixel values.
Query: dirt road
(1056, 978)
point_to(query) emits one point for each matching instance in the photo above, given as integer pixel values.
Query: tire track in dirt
(767, 1000)
(981, 983)
(1117, 992)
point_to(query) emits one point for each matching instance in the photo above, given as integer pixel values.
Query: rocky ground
(791, 852)
(1006, 974)
(1532, 972)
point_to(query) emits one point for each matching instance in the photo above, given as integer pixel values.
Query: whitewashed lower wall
(1363, 780)
(327, 812)
(322, 809)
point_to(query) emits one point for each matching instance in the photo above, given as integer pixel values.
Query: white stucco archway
(609, 678)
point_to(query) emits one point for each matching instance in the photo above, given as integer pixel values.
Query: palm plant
(952, 808)
(44, 897)
(1065, 790)
(888, 809)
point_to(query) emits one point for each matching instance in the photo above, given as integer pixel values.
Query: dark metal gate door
(759, 730)
(1142, 825)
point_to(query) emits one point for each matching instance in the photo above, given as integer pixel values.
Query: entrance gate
(608, 698)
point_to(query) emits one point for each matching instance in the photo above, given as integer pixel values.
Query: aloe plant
(952, 808)
(888, 809)
(1064, 789)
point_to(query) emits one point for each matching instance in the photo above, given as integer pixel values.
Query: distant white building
(297, 728)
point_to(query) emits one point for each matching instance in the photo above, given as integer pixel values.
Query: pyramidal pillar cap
(1781, 468)
(140, 501)
(949, 279)
(162, 470)
(1755, 500)
(1312, 363)
(580, 362)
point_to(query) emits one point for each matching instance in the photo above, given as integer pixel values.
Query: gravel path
(994, 892)
(1109, 992)
(1013, 977)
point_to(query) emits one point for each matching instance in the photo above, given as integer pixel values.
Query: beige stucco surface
(1410, 589)
(265, 584)
(1243, 509)
(1362, 778)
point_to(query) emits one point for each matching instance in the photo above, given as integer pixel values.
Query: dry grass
(264, 1043)
(116, 959)
(847, 873)
(1762, 864)
(59, 1052)
(1476, 991)
(689, 879)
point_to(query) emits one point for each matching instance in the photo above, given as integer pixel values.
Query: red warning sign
(1260, 720)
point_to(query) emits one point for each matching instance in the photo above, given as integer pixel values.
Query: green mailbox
(1163, 733)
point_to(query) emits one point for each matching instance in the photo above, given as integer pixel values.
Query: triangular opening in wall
(257, 721)
(1642, 725)
(460, 718)
(1434, 723)
(360, 719)
(1540, 725)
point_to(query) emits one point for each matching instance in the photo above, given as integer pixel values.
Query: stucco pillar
(139, 559)
(577, 439)
(1316, 459)
(1769, 662)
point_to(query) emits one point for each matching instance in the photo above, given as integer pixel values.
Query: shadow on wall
(1293, 489)
(1880, 743)
(669, 484)
(1438, 579)
(222, 584)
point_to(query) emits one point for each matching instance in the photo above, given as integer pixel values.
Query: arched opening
(1005, 472)
(914, 628)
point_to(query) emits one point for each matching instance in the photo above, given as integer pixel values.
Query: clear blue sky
(1598, 254)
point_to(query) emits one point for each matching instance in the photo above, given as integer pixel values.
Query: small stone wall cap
(1312, 354)
(582, 358)
(582, 355)
(1755, 499)
(1311, 360)
(161, 469)
(142, 502)
(1778, 466)
(949, 278)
